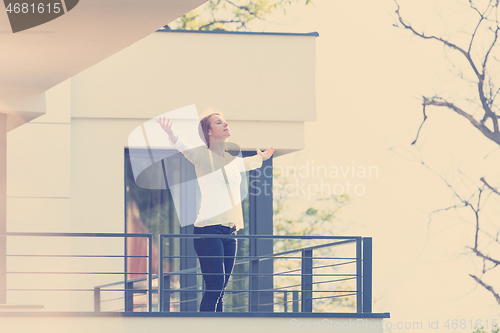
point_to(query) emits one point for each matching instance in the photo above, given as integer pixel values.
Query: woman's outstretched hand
(266, 154)
(166, 124)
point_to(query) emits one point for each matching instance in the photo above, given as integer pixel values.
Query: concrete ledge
(313, 34)
(381, 315)
(20, 307)
(207, 324)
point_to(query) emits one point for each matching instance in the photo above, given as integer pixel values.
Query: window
(152, 210)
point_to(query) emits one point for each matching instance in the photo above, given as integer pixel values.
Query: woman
(218, 212)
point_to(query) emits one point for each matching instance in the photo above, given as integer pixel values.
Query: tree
(474, 54)
(230, 15)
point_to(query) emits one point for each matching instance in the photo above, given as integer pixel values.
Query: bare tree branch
(477, 26)
(474, 202)
(436, 101)
(476, 215)
(449, 44)
(486, 257)
(486, 101)
(487, 287)
(422, 124)
(494, 190)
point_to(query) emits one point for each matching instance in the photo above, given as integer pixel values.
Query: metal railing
(272, 273)
(62, 251)
(265, 288)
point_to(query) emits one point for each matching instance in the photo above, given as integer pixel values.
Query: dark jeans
(216, 256)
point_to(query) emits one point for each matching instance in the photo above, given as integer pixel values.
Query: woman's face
(219, 128)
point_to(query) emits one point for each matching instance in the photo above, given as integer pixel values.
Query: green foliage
(229, 15)
(319, 219)
(493, 330)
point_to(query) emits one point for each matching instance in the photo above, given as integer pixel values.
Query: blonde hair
(205, 124)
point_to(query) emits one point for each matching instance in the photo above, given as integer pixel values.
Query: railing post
(97, 299)
(166, 293)
(125, 275)
(295, 299)
(359, 282)
(307, 280)
(285, 301)
(150, 273)
(253, 297)
(129, 296)
(367, 274)
(160, 274)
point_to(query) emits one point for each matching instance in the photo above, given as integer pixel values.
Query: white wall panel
(247, 76)
(38, 161)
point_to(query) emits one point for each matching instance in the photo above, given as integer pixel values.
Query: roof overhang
(34, 60)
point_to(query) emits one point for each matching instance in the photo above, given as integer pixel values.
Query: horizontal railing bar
(320, 258)
(263, 304)
(354, 294)
(274, 254)
(264, 256)
(351, 238)
(239, 293)
(154, 277)
(289, 286)
(76, 273)
(72, 256)
(279, 303)
(262, 274)
(299, 290)
(267, 274)
(318, 246)
(260, 290)
(352, 278)
(236, 280)
(185, 271)
(74, 234)
(188, 300)
(289, 271)
(332, 265)
(191, 288)
(132, 290)
(179, 302)
(238, 307)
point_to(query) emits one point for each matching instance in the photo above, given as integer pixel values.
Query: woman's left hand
(266, 154)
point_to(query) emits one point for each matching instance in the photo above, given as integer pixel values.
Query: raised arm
(178, 143)
(166, 125)
(266, 154)
(255, 162)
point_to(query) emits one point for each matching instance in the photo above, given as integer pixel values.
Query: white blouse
(219, 180)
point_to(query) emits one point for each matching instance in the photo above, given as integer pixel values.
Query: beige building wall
(259, 77)
(38, 168)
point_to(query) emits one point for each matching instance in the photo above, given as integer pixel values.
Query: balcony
(312, 276)
(311, 281)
